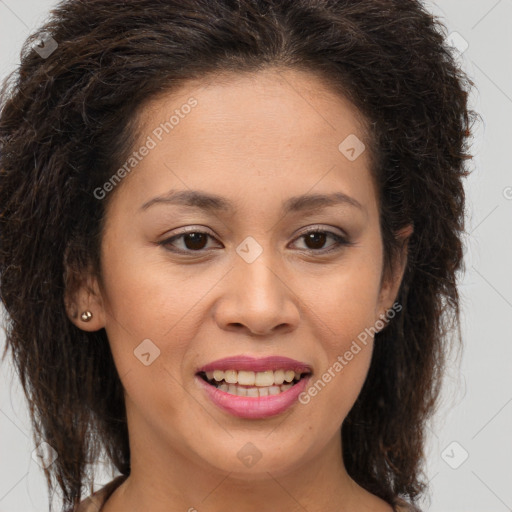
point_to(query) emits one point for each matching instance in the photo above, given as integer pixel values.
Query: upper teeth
(247, 378)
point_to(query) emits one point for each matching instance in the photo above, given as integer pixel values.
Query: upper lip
(256, 364)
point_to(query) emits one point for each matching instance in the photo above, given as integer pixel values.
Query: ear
(82, 294)
(391, 282)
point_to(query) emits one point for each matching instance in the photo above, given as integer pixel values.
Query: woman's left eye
(318, 237)
(195, 241)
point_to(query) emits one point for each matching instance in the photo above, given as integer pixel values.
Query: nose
(258, 298)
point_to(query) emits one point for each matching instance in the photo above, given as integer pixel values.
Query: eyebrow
(212, 202)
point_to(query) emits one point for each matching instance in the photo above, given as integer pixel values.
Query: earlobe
(85, 308)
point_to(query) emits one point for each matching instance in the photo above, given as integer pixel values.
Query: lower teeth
(254, 391)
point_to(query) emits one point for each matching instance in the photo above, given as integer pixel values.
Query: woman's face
(249, 164)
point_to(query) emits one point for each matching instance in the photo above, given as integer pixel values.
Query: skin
(255, 139)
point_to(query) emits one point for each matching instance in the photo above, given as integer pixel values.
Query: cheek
(141, 293)
(144, 313)
(345, 352)
(349, 313)
(347, 299)
(345, 308)
(150, 322)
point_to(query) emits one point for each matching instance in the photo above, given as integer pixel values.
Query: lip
(256, 364)
(254, 407)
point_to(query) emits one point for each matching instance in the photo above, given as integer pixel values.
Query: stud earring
(86, 316)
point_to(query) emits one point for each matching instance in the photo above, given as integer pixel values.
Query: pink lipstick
(254, 388)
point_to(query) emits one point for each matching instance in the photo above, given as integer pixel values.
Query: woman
(230, 232)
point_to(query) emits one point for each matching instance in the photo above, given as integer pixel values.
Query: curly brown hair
(68, 119)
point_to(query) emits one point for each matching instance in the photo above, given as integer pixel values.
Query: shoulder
(94, 502)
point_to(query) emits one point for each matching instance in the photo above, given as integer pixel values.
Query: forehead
(248, 134)
(269, 98)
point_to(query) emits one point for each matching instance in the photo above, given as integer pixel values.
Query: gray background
(475, 418)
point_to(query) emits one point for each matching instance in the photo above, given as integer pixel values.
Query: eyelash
(340, 241)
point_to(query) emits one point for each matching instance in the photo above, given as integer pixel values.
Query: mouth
(254, 388)
(253, 384)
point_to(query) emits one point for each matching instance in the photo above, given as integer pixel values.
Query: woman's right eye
(194, 241)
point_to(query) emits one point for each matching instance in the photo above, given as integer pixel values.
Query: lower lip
(254, 407)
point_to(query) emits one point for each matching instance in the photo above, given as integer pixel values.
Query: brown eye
(315, 241)
(195, 241)
(190, 241)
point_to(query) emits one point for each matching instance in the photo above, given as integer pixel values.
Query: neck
(172, 480)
